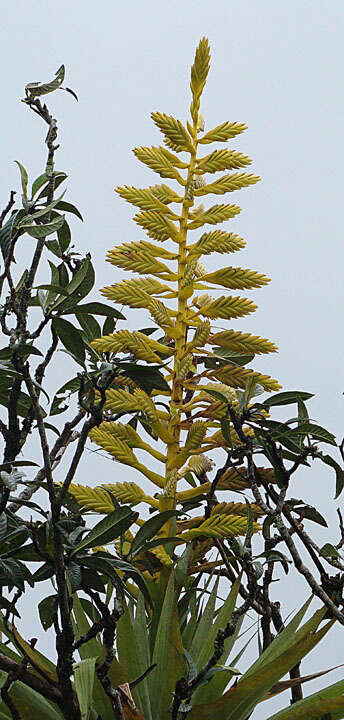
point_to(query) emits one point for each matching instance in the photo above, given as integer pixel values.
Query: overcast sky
(278, 67)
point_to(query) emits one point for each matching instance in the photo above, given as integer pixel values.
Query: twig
(341, 528)
(109, 620)
(211, 494)
(8, 207)
(33, 681)
(11, 678)
(67, 436)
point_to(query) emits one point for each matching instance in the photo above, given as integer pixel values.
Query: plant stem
(181, 324)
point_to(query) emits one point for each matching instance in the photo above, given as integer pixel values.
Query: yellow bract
(141, 346)
(228, 183)
(220, 526)
(228, 307)
(220, 160)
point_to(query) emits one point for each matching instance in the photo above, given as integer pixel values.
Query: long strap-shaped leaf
(29, 703)
(217, 684)
(133, 659)
(330, 700)
(39, 661)
(95, 649)
(168, 653)
(240, 700)
(203, 627)
(282, 641)
(84, 676)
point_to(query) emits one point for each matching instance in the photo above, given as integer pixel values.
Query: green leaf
(54, 247)
(74, 575)
(89, 325)
(3, 525)
(79, 277)
(107, 564)
(141, 630)
(217, 395)
(14, 539)
(281, 432)
(199, 641)
(148, 378)
(249, 531)
(226, 431)
(329, 550)
(30, 704)
(41, 213)
(22, 280)
(44, 179)
(150, 529)
(70, 337)
(90, 609)
(286, 398)
(167, 654)
(192, 667)
(81, 624)
(29, 504)
(219, 668)
(303, 416)
(307, 511)
(45, 611)
(217, 685)
(38, 183)
(64, 235)
(59, 177)
(41, 231)
(78, 287)
(6, 233)
(23, 403)
(24, 178)
(7, 605)
(283, 653)
(63, 275)
(69, 388)
(14, 573)
(182, 565)
(45, 572)
(276, 556)
(24, 350)
(132, 660)
(316, 431)
(52, 288)
(324, 704)
(109, 326)
(68, 207)
(94, 568)
(94, 648)
(84, 675)
(108, 529)
(98, 308)
(37, 89)
(328, 460)
(225, 357)
(161, 541)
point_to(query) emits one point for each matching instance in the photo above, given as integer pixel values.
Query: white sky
(277, 66)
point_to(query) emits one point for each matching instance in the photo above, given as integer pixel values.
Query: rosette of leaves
(155, 649)
(176, 385)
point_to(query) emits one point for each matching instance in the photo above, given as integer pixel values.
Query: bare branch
(8, 207)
